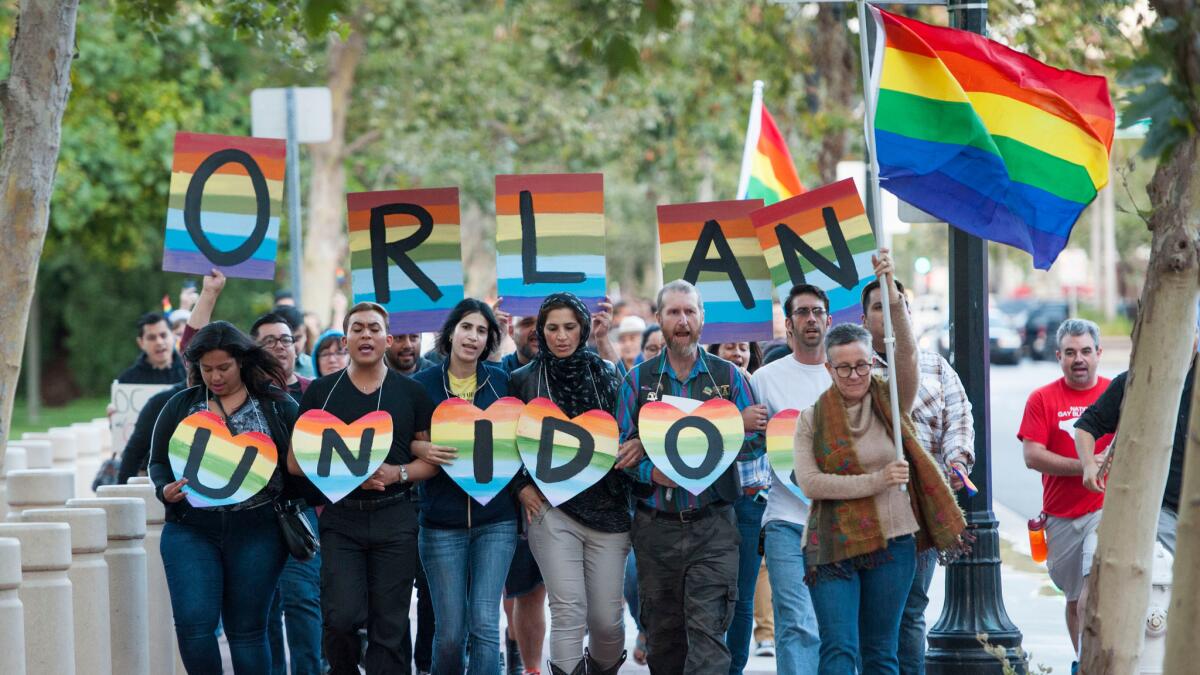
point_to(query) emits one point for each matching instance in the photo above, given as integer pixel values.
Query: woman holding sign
(582, 544)
(221, 545)
(466, 548)
(871, 511)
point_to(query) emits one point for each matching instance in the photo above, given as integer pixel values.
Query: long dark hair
(463, 308)
(261, 374)
(756, 355)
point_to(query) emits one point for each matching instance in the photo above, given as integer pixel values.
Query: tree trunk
(1114, 625)
(1183, 616)
(835, 61)
(325, 245)
(33, 99)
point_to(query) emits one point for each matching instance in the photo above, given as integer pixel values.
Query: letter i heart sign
(486, 444)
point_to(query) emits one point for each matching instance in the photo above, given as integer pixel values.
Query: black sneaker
(512, 659)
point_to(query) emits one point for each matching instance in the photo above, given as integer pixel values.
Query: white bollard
(38, 489)
(12, 613)
(126, 560)
(141, 480)
(105, 429)
(162, 621)
(14, 460)
(45, 592)
(66, 447)
(89, 583)
(38, 454)
(87, 463)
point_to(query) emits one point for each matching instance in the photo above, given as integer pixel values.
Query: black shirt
(1103, 416)
(406, 401)
(141, 372)
(136, 455)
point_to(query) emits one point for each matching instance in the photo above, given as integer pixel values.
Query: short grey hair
(678, 286)
(1077, 327)
(846, 334)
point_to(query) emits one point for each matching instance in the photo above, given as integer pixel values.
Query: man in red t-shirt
(1073, 512)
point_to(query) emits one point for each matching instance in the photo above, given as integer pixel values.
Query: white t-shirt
(787, 383)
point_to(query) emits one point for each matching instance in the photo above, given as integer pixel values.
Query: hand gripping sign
(338, 457)
(221, 469)
(486, 441)
(692, 449)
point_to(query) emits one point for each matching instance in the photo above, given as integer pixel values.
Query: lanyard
(667, 363)
(378, 401)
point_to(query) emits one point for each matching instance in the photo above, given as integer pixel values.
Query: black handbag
(302, 543)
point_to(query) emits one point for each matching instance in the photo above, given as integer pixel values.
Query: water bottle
(1037, 538)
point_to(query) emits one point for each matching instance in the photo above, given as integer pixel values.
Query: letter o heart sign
(222, 469)
(565, 456)
(486, 441)
(337, 457)
(781, 434)
(692, 449)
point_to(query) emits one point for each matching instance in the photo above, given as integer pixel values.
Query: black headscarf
(582, 381)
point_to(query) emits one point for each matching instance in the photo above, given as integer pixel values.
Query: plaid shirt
(753, 467)
(941, 413)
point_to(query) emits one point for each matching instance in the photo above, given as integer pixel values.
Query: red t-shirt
(1050, 415)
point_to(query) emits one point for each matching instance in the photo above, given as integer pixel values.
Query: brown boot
(594, 668)
(580, 668)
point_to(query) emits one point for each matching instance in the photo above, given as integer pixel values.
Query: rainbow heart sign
(692, 449)
(486, 441)
(337, 457)
(222, 469)
(565, 455)
(781, 439)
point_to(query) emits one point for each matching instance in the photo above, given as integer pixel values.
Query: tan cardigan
(872, 442)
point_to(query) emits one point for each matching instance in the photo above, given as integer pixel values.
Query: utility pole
(974, 601)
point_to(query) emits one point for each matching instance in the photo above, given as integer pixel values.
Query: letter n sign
(406, 254)
(224, 205)
(549, 238)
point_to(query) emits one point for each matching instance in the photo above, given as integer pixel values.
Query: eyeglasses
(804, 312)
(330, 354)
(844, 371)
(271, 341)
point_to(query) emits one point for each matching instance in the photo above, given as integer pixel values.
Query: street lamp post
(974, 602)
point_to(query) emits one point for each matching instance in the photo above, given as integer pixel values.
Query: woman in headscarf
(582, 544)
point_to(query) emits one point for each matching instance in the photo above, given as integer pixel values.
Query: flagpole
(753, 130)
(889, 338)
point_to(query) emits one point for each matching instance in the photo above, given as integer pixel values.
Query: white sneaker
(765, 648)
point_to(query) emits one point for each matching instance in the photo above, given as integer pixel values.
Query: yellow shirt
(462, 387)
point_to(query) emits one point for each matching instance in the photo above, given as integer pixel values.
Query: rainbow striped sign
(692, 449)
(821, 238)
(222, 469)
(338, 457)
(712, 245)
(549, 238)
(781, 441)
(224, 206)
(406, 254)
(565, 455)
(458, 424)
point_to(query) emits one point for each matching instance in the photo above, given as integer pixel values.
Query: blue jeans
(298, 602)
(466, 569)
(222, 567)
(912, 623)
(631, 589)
(749, 521)
(797, 643)
(860, 615)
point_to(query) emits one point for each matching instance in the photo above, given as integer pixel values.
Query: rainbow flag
(223, 211)
(768, 172)
(406, 254)
(992, 141)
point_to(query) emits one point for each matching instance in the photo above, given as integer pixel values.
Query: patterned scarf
(845, 534)
(582, 381)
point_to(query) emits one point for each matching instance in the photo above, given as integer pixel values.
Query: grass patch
(79, 410)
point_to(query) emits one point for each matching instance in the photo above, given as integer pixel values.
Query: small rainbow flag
(166, 305)
(844, 247)
(339, 481)
(223, 461)
(453, 425)
(736, 289)
(566, 210)
(990, 140)
(599, 424)
(422, 229)
(223, 211)
(768, 172)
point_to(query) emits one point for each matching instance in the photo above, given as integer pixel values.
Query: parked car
(1040, 328)
(1003, 340)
